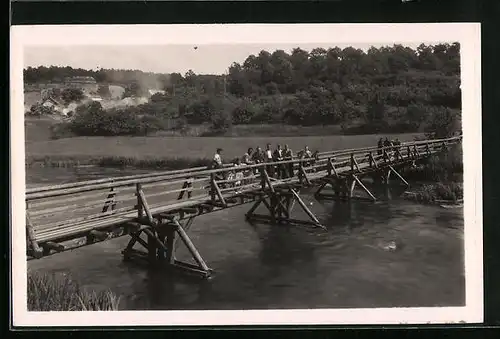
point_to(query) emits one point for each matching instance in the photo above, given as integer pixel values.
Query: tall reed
(58, 292)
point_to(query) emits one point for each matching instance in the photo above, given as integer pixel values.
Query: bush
(50, 292)
(440, 191)
(92, 120)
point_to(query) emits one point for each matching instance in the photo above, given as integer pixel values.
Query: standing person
(248, 160)
(257, 158)
(288, 155)
(307, 155)
(278, 156)
(269, 158)
(238, 173)
(380, 145)
(247, 157)
(217, 163)
(387, 147)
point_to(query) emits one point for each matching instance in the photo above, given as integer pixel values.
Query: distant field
(187, 147)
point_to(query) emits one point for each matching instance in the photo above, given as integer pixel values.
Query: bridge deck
(64, 212)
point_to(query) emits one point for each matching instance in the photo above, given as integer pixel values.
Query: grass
(175, 151)
(51, 292)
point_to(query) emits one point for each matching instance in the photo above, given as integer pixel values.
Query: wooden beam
(364, 187)
(145, 206)
(30, 233)
(399, 176)
(110, 200)
(192, 249)
(218, 193)
(304, 207)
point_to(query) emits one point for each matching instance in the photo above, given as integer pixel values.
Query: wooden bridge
(157, 209)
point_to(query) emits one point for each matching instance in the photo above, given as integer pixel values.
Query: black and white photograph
(247, 174)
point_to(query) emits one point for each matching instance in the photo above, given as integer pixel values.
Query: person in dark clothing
(278, 156)
(257, 158)
(380, 145)
(388, 147)
(288, 155)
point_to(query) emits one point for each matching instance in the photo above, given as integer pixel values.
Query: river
(392, 253)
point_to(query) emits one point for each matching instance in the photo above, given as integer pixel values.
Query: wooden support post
(334, 170)
(267, 180)
(181, 193)
(254, 207)
(192, 249)
(218, 193)
(304, 207)
(145, 206)
(364, 187)
(110, 201)
(351, 188)
(356, 166)
(37, 251)
(213, 194)
(152, 247)
(398, 175)
(303, 175)
(140, 208)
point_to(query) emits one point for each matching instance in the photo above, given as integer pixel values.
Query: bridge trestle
(162, 235)
(280, 202)
(343, 186)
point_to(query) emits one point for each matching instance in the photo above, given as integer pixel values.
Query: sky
(205, 59)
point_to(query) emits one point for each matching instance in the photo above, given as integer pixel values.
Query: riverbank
(449, 193)
(59, 292)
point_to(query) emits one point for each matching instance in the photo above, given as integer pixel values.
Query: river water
(392, 253)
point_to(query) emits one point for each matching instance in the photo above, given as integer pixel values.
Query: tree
(70, 95)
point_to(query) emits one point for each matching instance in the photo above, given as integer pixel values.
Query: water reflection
(284, 246)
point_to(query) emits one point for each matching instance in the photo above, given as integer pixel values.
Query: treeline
(386, 89)
(56, 74)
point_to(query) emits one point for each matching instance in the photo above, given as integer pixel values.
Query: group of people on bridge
(258, 156)
(387, 144)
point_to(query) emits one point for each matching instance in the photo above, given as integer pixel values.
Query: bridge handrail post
(30, 235)
(140, 208)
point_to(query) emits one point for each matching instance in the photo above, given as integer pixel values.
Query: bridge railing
(56, 211)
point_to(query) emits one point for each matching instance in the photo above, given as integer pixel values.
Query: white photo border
(467, 34)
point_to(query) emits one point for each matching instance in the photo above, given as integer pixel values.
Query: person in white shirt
(217, 161)
(269, 158)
